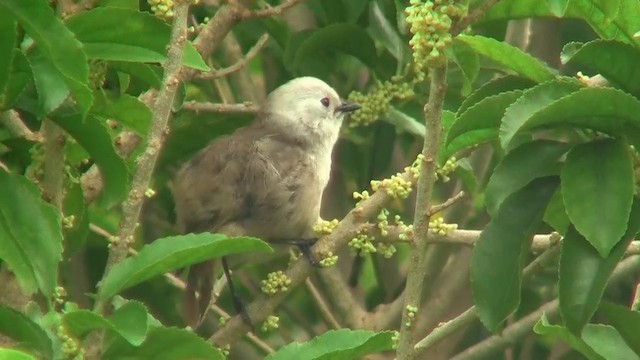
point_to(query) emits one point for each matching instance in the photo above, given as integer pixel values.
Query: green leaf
(8, 35)
(344, 38)
(129, 322)
(529, 161)
(597, 187)
(94, 138)
(467, 61)
(556, 214)
(121, 34)
(479, 123)
(626, 322)
(171, 253)
(509, 56)
(498, 257)
(165, 344)
(542, 327)
(583, 273)
(531, 101)
(51, 87)
(495, 87)
(23, 330)
(127, 110)
(10, 354)
(616, 19)
(57, 44)
(603, 109)
(18, 79)
(598, 56)
(607, 342)
(382, 30)
(343, 344)
(30, 235)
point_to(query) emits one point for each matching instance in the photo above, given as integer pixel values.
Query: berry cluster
(430, 23)
(378, 101)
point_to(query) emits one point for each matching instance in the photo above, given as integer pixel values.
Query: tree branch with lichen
(146, 162)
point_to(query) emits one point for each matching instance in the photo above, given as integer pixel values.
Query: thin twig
(240, 64)
(473, 16)
(322, 304)
(349, 309)
(146, 162)
(12, 121)
(270, 11)
(450, 201)
(244, 108)
(417, 268)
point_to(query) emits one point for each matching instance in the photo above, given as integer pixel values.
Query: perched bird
(265, 180)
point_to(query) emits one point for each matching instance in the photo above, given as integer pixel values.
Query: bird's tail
(200, 282)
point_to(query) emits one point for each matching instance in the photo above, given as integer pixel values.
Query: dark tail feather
(200, 280)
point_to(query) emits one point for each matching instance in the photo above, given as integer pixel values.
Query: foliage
(542, 151)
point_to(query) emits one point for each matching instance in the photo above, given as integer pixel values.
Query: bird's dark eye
(325, 102)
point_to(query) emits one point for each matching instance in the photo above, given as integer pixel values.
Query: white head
(307, 109)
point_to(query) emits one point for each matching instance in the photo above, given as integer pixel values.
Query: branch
(472, 17)
(352, 313)
(214, 74)
(53, 180)
(417, 268)
(322, 304)
(12, 121)
(297, 272)
(147, 160)
(440, 207)
(271, 11)
(244, 108)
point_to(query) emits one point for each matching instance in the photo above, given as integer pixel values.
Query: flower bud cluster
(328, 259)
(270, 323)
(275, 282)
(437, 226)
(397, 186)
(162, 8)
(324, 227)
(430, 22)
(363, 243)
(378, 101)
(443, 171)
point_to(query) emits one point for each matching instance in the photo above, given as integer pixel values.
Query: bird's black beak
(347, 108)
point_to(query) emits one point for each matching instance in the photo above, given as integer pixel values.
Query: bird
(264, 180)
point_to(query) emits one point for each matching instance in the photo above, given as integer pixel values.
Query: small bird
(265, 180)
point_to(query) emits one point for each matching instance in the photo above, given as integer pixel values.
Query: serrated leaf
(51, 87)
(94, 138)
(479, 123)
(495, 87)
(171, 253)
(343, 344)
(597, 188)
(531, 101)
(598, 56)
(617, 19)
(607, 342)
(57, 44)
(129, 322)
(344, 38)
(626, 322)
(498, 257)
(510, 57)
(122, 34)
(468, 63)
(606, 110)
(18, 79)
(527, 162)
(543, 327)
(8, 35)
(30, 235)
(24, 331)
(583, 273)
(556, 214)
(165, 344)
